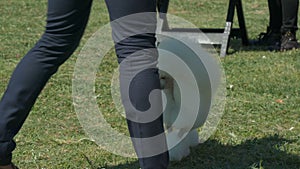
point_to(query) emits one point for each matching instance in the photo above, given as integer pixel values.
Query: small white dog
(188, 81)
(179, 139)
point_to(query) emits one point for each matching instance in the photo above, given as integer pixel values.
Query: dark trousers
(283, 15)
(66, 22)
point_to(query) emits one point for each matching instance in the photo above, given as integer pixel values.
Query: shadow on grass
(266, 152)
(236, 45)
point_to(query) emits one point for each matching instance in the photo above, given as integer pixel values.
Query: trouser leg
(138, 53)
(289, 15)
(275, 12)
(66, 21)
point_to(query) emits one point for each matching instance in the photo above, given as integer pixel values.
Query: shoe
(11, 166)
(269, 38)
(289, 41)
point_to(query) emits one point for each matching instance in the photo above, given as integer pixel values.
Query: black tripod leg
(242, 24)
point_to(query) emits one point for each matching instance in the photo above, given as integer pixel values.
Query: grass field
(259, 130)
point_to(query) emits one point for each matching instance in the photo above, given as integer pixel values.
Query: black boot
(269, 38)
(289, 41)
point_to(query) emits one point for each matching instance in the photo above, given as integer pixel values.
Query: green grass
(256, 132)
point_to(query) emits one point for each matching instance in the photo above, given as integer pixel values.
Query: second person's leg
(289, 24)
(289, 15)
(275, 12)
(272, 35)
(136, 50)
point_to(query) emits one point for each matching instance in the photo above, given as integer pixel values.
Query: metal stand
(215, 35)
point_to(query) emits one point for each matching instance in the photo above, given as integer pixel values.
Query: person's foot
(289, 41)
(269, 38)
(10, 166)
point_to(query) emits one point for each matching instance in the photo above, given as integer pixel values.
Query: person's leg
(289, 24)
(66, 21)
(138, 53)
(289, 15)
(275, 12)
(272, 35)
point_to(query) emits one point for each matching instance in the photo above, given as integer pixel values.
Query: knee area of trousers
(59, 44)
(141, 87)
(50, 52)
